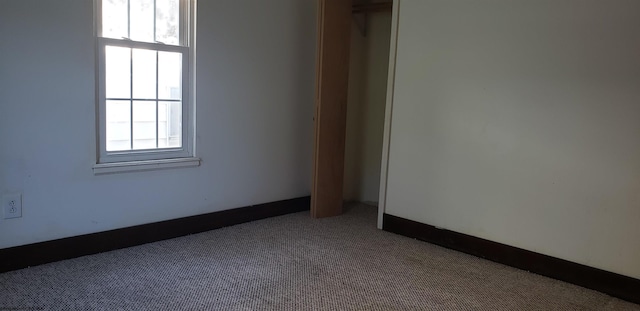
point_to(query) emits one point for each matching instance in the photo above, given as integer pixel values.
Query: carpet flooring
(291, 262)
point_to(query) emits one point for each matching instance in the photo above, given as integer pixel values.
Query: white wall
(255, 74)
(518, 121)
(365, 108)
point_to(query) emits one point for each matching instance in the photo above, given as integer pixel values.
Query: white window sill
(120, 167)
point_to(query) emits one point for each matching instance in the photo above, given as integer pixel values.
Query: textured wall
(519, 121)
(255, 83)
(365, 109)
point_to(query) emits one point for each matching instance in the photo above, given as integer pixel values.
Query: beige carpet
(291, 263)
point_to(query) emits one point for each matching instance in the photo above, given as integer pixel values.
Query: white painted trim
(384, 167)
(119, 167)
(193, 22)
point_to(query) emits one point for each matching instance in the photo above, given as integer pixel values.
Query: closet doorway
(351, 83)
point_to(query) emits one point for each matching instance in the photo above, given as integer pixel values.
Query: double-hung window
(145, 82)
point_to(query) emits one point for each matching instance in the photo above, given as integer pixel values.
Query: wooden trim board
(614, 284)
(44, 252)
(332, 83)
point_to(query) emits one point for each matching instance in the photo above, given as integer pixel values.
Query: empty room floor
(292, 262)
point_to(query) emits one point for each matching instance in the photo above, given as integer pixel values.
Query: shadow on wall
(366, 106)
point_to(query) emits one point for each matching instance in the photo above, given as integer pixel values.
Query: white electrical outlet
(12, 205)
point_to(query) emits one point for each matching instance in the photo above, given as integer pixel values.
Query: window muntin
(144, 61)
(144, 20)
(149, 84)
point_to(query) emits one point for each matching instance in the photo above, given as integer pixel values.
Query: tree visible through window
(144, 76)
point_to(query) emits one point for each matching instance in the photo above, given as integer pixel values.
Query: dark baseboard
(44, 252)
(614, 284)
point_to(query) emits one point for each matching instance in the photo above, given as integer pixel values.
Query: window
(145, 85)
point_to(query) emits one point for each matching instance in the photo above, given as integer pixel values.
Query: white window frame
(134, 160)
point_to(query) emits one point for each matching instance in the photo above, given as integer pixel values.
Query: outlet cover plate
(12, 205)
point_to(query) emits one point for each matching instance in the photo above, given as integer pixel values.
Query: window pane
(144, 124)
(114, 19)
(144, 74)
(169, 124)
(142, 17)
(118, 125)
(168, 21)
(118, 72)
(169, 75)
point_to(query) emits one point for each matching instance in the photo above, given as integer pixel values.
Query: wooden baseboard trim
(19, 257)
(610, 283)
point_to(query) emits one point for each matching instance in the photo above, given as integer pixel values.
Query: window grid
(133, 99)
(156, 46)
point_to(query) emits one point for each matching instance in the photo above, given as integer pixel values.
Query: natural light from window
(143, 87)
